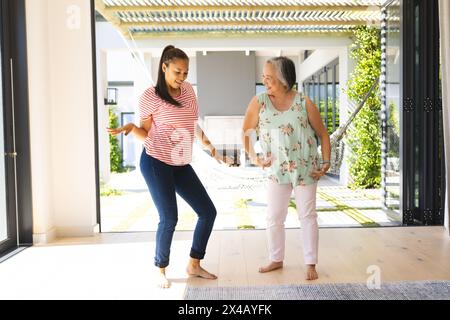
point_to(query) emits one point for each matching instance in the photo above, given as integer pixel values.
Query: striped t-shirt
(172, 132)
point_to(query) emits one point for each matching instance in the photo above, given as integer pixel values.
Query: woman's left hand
(223, 159)
(220, 158)
(126, 129)
(317, 174)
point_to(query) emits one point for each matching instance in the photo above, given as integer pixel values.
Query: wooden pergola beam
(202, 8)
(111, 17)
(229, 34)
(187, 24)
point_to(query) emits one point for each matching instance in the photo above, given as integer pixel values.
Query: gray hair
(285, 70)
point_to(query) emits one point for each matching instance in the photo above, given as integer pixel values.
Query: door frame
(17, 131)
(423, 162)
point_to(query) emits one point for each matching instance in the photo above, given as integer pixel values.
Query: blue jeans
(163, 182)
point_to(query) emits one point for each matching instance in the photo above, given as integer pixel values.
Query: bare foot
(198, 271)
(163, 282)
(271, 266)
(311, 273)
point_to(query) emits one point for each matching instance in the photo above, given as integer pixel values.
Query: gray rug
(412, 290)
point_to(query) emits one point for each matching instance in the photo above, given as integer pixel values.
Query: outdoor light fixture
(111, 96)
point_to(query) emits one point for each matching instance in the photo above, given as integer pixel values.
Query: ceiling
(146, 19)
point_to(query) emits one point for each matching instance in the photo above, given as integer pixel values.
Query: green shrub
(393, 134)
(364, 136)
(107, 192)
(115, 155)
(330, 115)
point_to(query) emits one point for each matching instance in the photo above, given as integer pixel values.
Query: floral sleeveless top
(289, 139)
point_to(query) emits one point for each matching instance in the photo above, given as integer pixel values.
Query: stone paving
(240, 198)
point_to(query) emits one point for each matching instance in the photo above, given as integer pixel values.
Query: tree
(364, 137)
(115, 154)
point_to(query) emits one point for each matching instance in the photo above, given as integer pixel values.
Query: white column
(444, 9)
(72, 117)
(40, 120)
(61, 118)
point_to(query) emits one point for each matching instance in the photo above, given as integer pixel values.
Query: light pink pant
(278, 203)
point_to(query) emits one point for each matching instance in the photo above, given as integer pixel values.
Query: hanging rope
(138, 57)
(337, 146)
(244, 179)
(135, 53)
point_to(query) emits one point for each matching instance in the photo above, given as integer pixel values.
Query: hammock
(245, 178)
(218, 176)
(337, 145)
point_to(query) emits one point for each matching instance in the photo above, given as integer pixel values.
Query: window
(16, 223)
(323, 89)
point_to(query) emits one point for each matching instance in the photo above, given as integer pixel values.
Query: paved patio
(240, 198)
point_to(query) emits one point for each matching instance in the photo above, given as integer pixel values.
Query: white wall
(61, 113)
(125, 100)
(252, 43)
(319, 58)
(108, 37)
(155, 64)
(120, 66)
(226, 82)
(40, 119)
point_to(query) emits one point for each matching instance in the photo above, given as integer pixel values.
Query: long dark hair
(169, 53)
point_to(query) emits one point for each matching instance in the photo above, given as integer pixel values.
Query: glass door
(391, 106)
(423, 170)
(3, 211)
(8, 217)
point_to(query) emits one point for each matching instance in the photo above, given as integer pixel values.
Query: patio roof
(142, 19)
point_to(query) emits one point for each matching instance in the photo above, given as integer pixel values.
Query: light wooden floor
(344, 256)
(119, 266)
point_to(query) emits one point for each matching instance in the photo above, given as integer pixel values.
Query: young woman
(169, 114)
(288, 123)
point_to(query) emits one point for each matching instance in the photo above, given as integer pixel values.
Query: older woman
(287, 123)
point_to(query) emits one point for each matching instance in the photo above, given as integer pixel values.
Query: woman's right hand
(126, 129)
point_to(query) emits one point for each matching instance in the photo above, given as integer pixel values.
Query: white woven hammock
(337, 145)
(244, 179)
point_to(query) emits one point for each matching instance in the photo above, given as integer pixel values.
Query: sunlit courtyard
(239, 195)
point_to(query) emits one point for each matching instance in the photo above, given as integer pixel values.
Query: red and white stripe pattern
(172, 132)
